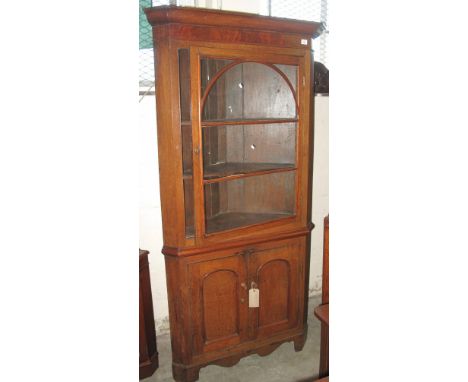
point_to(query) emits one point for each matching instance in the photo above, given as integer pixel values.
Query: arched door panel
(278, 274)
(219, 308)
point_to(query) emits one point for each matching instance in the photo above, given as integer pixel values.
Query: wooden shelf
(231, 220)
(227, 171)
(256, 121)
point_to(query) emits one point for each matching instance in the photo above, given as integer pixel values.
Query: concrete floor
(283, 365)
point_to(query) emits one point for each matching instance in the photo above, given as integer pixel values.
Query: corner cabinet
(235, 139)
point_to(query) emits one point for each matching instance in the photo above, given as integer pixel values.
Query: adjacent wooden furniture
(321, 312)
(235, 137)
(148, 350)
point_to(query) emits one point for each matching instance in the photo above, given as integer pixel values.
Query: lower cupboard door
(219, 303)
(278, 274)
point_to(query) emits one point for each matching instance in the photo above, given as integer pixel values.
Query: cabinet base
(183, 373)
(299, 341)
(190, 373)
(148, 368)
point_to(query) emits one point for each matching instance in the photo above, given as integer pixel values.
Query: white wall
(150, 209)
(150, 205)
(319, 193)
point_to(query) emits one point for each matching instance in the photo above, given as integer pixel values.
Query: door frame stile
(198, 189)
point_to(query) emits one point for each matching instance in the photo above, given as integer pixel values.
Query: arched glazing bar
(229, 66)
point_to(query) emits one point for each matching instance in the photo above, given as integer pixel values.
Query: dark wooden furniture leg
(149, 361)
(321, 312)
(323, 367)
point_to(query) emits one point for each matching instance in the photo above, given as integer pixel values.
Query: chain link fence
(311, 10)
(146, 56)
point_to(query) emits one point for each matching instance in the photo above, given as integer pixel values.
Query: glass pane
(189, 202)
(291, 72)
(186, 133)
(249, 90)
(209, 68)
(251, 200)
(240, 149)
(184, 79)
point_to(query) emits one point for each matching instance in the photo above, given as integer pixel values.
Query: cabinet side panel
(178, 307)
(308, 138)
(169, 140)
(309, 107)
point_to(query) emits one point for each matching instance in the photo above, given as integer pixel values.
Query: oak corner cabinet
(235, 145)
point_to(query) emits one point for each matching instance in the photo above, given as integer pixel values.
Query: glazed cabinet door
(277, 272)
(248, 139)
(219, 303)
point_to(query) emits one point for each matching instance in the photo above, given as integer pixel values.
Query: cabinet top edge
(212, 17)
